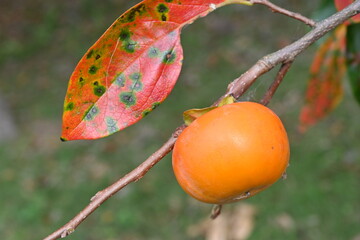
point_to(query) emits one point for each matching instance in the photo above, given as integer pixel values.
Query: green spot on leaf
(89, 55)
(125, 35)
(137, 86)
(132, 13)
(146, 112)
(120, 80)
(111, 125)
(91, 113)
(93, 69)
(81, 81)
(155, 105)
(135, 76)
(154, 52)
(162, 8)
(128, 98)
(169, 57)
(99, 90)
(129, 46)
(69, 106)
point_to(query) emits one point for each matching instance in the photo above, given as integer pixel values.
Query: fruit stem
(216, 211)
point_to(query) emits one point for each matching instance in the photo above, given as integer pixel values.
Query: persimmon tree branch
(285, 12)
(105, 194)
(290, 52)
(279, 77)
(236, 88)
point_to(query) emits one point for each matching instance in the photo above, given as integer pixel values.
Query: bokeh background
(44, 182)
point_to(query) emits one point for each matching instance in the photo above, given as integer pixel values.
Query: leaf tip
(63, 139)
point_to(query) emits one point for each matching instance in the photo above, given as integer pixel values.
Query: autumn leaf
(131, 69)
(324, 90)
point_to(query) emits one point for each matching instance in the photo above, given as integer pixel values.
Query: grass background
(44, 183)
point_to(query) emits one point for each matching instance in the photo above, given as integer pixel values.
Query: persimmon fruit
(231, 153)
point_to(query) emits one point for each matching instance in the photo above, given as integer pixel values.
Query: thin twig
(285, 12)
(236, 89)
(279, 77)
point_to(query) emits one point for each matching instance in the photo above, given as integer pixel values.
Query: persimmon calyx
(190, 115)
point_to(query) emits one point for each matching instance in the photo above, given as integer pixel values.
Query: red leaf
(131, 69)
(324, 90)
(341, 4)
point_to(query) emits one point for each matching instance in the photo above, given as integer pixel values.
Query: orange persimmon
(231, 153)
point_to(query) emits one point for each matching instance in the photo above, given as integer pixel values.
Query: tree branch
(288, 53)
(279, 77)
(105, 194)
(236, 89)
(285, 12)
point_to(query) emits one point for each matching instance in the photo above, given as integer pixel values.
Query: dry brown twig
(278, 79)
(284, 56)
(285, 12)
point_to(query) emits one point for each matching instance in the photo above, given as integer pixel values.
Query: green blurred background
(44, 182)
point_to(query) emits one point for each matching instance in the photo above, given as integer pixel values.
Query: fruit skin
(231, 153)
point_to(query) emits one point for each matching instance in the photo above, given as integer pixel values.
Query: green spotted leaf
(131, 69)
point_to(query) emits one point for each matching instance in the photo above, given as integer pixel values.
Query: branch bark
(274, 86)
(285, 12)
(236, 89)
(290, 52)
(105, 194)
